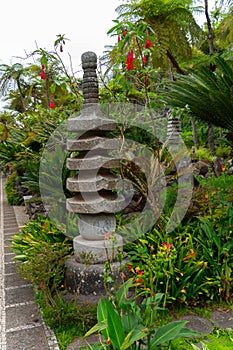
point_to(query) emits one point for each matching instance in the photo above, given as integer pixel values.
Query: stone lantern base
(88, 279)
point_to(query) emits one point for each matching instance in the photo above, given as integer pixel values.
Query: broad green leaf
(136, 334)
(98, 327)
(102, 315)
(167, 333)
(122, 292)
(130, 321)
(115, 328)
(186, 332)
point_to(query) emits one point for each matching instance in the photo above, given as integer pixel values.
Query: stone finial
(90, 82)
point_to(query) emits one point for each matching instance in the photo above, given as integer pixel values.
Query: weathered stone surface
(81, 344)
(91, 142)
(95, 162)
(198, 324)
(92, 183)
(91, 121)
(223, 319)
(96, 251)
(93, 203)
(87, 279)
(95, 227)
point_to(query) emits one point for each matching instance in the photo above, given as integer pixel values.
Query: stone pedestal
(88, 279)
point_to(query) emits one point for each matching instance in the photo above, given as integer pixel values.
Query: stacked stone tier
(93, 155)
(94, 203)
(92, 183)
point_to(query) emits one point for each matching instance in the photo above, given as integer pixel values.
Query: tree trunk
(211, 137)
(175, 63)
(21, 95)
(194, 132)
(211, 51)
(210, 30)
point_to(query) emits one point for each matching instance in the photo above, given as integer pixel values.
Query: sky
(26, 25)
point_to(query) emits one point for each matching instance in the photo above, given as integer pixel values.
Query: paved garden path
(21, 326)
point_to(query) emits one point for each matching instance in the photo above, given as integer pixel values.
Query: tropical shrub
(124, 324)
(42, 249)
(13, 197)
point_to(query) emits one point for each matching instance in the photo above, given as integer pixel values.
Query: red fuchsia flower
(51, 104)
(147, 44)
(107, 235)
(119, 38)
(124, 32)
(42, 74)
(129, 60)
(223, 166)
(130, 268)
(144, 59)
(130, 66)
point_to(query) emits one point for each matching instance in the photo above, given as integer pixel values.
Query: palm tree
(208, 94)
(11, 77)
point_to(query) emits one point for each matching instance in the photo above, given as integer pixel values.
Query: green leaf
(186, 332)
(136, 334)
(102, 316)
(167, 333)
(98, 327)
(122, 293)
(115, 328)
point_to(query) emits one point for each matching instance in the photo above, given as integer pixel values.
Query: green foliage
(203, 153)
(191, 264)
(207, 93)
(223, 151)
(125, 325)
(67, 318)
(13, 197)
(42, 248)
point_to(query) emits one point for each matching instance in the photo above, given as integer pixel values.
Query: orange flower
(223, 166)
(167, 246)
(140, 280)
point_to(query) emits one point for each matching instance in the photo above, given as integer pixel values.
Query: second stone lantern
(93, 186)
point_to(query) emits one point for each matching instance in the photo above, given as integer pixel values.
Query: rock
(230, 171)
(198, 324)
(222, 319)
(201, 168)
(80, 343)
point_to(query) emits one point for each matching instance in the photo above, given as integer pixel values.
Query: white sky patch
(26, 24)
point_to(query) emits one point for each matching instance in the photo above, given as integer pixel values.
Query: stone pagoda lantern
(93, 187)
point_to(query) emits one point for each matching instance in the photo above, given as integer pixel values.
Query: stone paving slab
(22, 315)
(19, 295)
(30, 339)
(14, 280)
(21, 325)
